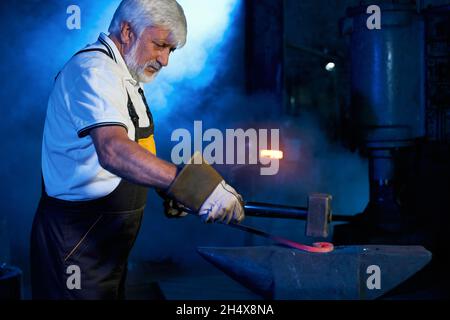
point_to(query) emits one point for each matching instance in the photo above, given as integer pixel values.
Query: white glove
(223, 204)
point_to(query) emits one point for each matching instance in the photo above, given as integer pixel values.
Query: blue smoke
(37, 44)
(208, 30)
(205, 81)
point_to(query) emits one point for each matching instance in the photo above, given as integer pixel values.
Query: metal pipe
(312, 51)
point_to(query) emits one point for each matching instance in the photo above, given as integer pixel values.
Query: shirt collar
(117, 56)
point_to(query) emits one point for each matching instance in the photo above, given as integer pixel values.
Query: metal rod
(319, 247)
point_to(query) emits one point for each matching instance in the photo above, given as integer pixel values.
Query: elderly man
(99, 158)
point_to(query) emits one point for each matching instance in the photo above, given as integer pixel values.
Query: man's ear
(127, 36)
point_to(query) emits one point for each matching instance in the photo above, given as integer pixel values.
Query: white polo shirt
(90, 91)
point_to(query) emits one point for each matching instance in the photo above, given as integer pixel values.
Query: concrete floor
(165, 281)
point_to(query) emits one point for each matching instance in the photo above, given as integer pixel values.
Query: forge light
(271, 154)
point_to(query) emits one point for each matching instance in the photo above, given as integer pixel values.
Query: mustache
(154, 64)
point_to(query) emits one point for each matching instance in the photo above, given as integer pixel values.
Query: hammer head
(319, 215)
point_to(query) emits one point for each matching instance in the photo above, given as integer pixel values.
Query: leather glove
(201, 189)
(223, 204)
(174, 209)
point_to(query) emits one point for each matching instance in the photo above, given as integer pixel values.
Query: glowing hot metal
(271, 154)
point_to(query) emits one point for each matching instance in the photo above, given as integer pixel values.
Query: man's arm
(127, 159)
(198, 187)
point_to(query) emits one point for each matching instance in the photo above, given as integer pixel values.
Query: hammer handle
(267, 210)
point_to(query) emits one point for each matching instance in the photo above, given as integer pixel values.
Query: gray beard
(137, 71)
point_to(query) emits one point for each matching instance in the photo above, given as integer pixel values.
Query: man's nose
(163, 57)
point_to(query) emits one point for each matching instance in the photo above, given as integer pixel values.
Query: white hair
(167, 14)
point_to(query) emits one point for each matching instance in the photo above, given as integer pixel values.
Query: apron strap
(139, 132)
(94, 49)
(147, 108)
(89, 50)
(135, 118)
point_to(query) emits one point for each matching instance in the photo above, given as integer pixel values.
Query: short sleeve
(96, 97)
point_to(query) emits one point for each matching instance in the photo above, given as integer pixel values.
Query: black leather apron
(96, 236)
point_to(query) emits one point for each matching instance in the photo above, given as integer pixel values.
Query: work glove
(224, 204)
(172, 208)
(202, 190)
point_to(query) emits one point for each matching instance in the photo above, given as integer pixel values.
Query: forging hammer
(317, 215)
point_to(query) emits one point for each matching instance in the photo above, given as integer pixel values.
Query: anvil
(347, 272)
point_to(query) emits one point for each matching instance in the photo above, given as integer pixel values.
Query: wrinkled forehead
(159, 34)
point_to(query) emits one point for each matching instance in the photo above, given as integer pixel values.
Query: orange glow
(271, 154)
